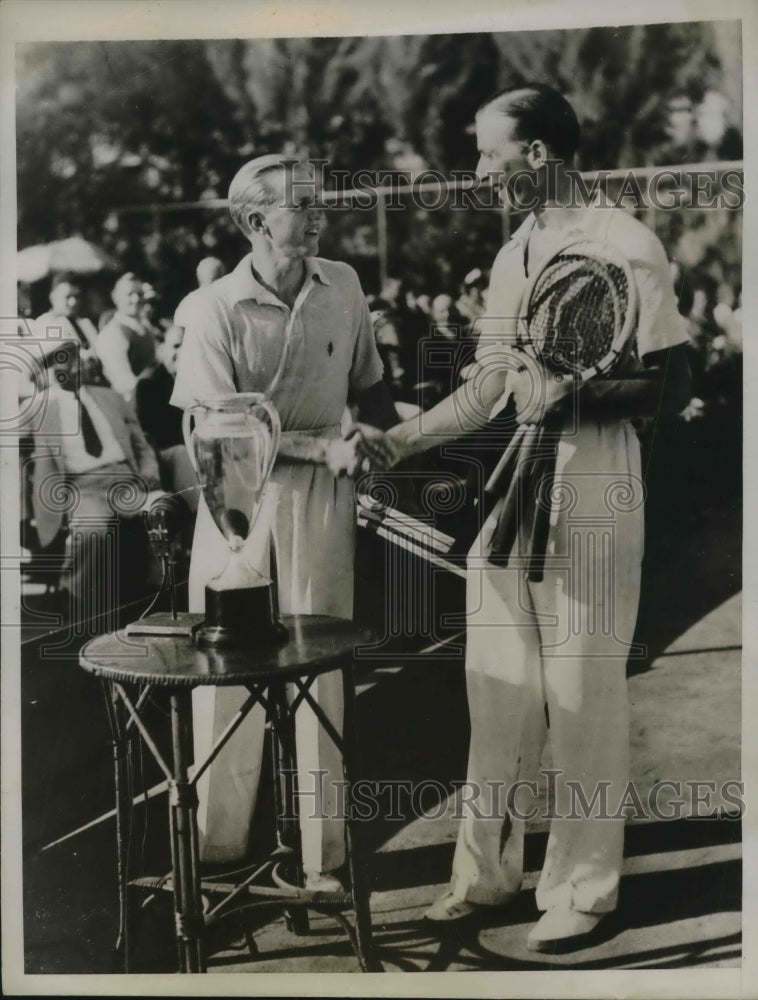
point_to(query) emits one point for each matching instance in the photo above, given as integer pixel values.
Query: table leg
(120, 741)
(283, 754)
(285, 801)
(359, 881)
(188, 910)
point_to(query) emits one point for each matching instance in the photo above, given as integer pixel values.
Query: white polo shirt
(236, 333)
(660, 324)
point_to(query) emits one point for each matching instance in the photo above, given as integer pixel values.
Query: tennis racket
(578, 316)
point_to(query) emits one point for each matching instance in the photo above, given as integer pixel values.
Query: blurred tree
(620, 81)
(314, 96)
(118, 123)
(455, 74)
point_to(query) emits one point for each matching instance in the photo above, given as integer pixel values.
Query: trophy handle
(188, 435)
(276, 433)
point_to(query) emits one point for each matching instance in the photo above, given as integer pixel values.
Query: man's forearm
(465, 410)
(340, 456)
(620, 399)
(299, 446)
(664, 387)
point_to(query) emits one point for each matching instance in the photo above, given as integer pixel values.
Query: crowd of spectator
(426, 339)
(120, 368)
(99, 438)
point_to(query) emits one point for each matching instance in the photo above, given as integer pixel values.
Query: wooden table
(317, 645)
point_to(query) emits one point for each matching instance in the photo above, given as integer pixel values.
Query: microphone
(165, 520)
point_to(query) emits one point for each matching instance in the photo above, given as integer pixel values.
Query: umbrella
(74, 254)
(33, 263)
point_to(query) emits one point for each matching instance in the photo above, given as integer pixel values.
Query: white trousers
(312, 518)
(561, 643)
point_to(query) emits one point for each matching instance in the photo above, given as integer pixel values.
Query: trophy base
(164, 623)
(239, 619)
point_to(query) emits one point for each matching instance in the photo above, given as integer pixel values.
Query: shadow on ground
(414, 728)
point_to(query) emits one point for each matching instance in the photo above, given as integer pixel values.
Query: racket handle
(503, 471)
(506, 529)
(544, 475)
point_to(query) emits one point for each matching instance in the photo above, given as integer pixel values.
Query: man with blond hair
(124, 345)
(296, 327)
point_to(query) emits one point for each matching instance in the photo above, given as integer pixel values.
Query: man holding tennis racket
(582, 330)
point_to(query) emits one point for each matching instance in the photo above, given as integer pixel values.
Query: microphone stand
(163, 522)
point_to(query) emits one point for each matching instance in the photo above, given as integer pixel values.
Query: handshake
(363, 449)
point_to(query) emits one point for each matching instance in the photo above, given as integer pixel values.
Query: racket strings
(578, 320)
(576, 312)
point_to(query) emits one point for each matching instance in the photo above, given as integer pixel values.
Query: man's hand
(375, 450)
(342, 456)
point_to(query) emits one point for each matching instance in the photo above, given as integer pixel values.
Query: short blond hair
(130, 278)
(127, 278)
(248, 189)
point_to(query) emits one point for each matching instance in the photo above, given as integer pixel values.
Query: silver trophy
(233, 448)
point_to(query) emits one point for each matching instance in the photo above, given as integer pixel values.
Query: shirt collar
(313, 269)
(244, 285)
(524, 231)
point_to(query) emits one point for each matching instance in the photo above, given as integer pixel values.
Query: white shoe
(323, 882)
(314, 882)
(559, 926)
(449, 908)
